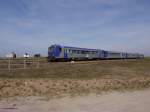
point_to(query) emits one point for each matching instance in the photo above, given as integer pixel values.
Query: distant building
(37, 55)
(11, 55)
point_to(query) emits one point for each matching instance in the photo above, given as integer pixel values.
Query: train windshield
(51, 49)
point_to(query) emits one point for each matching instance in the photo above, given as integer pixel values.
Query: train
(66, 53)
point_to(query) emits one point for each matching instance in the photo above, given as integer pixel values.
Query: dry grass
(59, 88)
(108, 69)
(63, 78)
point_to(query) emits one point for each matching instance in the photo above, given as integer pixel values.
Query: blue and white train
(58, 52)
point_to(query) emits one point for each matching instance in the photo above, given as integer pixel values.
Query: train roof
(80, 48)
(77, 48)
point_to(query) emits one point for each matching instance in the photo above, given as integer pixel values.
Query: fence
(14, 64)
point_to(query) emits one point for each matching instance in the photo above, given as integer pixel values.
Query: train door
(105, 54)
(101, 54)
(65, 54)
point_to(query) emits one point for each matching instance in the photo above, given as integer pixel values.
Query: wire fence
(15, 64)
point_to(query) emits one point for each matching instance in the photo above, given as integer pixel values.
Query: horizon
(33, 25)
(31, 54)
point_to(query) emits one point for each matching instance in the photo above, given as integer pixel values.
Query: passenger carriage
(58, 52)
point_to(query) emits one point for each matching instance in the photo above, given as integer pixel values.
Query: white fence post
(24, 63)
(12, 64)
(9, 64)
(38, 63)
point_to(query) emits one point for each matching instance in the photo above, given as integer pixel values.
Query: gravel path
(137, 101)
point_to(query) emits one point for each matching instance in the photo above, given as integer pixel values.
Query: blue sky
(33, 25)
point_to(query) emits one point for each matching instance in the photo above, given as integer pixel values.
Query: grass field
(108, 69)
(61, 78)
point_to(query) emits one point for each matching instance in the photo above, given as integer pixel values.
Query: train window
(73, 51)
(60, 49)
(78, 52)
(50, 49)
(93, 52)
(83, 52)
(115, 54)
(68, 50)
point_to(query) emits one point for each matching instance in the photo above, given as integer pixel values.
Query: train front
(54, 52)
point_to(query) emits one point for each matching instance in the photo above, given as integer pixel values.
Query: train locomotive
(66, 53)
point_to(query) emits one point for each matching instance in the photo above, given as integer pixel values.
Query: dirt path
(137, 101)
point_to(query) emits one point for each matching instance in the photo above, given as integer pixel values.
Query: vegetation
(61, 78)
(110, 69)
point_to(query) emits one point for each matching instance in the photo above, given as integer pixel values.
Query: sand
(135, 101)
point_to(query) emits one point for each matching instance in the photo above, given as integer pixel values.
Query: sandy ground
(137, 101)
